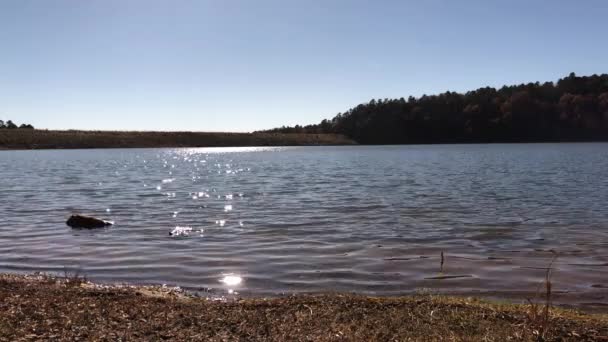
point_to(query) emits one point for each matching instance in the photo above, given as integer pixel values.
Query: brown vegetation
(43, 308)
(45, 139)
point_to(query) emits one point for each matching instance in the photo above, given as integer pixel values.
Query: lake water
(274, 220)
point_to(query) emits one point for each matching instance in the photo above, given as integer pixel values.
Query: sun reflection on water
(231, 280)
(211, 150)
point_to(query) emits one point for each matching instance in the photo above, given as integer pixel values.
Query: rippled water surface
(264, 221)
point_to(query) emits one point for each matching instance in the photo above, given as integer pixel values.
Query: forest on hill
(572, 109)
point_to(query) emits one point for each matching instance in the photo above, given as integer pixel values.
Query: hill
(571, 109)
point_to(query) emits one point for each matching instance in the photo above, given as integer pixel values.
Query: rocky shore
(40, 307)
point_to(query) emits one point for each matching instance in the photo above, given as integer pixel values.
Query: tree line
(572, 109)
(11, 125)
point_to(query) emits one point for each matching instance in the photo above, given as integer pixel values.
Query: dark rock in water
(81, 221)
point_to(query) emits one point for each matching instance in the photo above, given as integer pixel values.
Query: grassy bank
(42, 308)
(45, 139)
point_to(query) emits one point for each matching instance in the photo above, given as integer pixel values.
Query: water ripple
(265, 221)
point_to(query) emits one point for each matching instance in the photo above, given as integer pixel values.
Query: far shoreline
(41, 139)
(36, 139)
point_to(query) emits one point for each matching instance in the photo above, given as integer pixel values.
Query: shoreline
(26, 139)
(42, 307)
(41, 139)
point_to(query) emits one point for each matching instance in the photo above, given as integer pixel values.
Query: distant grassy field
(46, 139)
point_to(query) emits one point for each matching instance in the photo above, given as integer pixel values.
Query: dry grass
(42, 308)
(539, 315)
(45, 139)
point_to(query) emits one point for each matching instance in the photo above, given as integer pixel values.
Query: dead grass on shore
(43, 308)
(72, 139)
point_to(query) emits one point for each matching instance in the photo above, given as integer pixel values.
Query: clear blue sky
(251, 64)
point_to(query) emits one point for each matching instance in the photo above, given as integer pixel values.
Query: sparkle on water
(231, 280)
(181, 231)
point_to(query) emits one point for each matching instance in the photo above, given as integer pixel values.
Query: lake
(276, 220)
